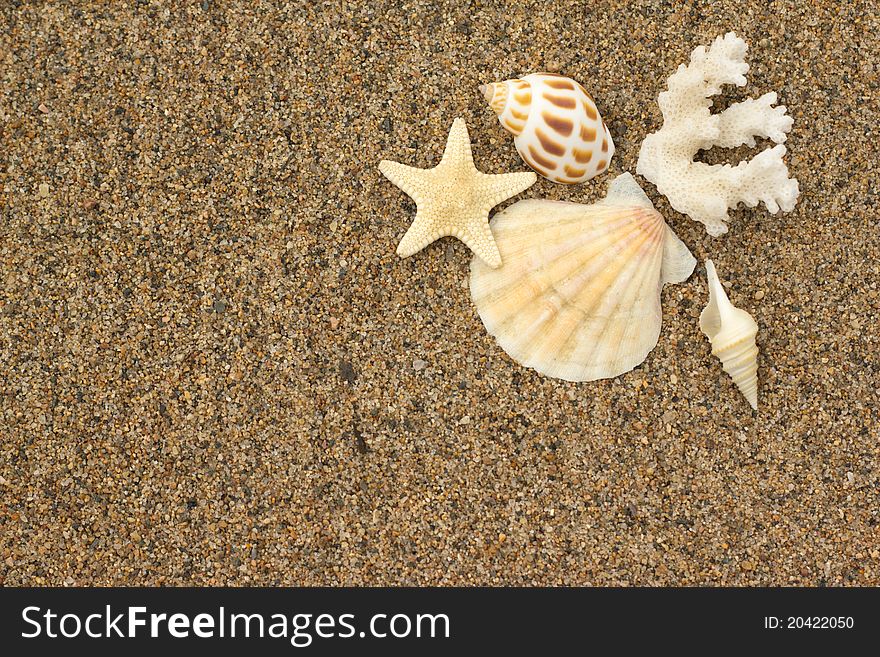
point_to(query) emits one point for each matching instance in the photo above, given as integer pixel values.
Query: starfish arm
(458, 146)
(477, 235)
(501, 187)
(413, 181)
(419, 235)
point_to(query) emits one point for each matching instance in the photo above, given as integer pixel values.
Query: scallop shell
(578, 295)
(732, 332)
(556, 126)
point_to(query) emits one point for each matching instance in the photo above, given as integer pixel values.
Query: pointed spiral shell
(740, 361)
(556, 127)
(731, 332)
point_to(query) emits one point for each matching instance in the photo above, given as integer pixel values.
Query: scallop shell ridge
(578, 295)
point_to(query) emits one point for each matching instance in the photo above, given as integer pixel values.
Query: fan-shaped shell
(732, 332)
(556, 126)
(578, 294)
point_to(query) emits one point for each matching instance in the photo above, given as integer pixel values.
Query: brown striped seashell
(556, 126)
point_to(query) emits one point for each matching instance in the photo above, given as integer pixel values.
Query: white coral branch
(706, 192)
(740, 123)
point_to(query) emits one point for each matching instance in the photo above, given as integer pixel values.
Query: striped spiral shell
(556, 126)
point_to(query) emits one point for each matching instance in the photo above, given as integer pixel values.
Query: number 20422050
(809, 622)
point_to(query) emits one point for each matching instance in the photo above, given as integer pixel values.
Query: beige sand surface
(215, 370)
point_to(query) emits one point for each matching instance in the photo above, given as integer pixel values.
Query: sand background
(207, 342)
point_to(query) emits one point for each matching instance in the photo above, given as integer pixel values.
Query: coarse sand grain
(215, 370)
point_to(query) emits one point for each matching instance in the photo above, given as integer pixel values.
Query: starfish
(454, 198)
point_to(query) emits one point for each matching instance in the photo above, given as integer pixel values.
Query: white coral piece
(702, 191)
